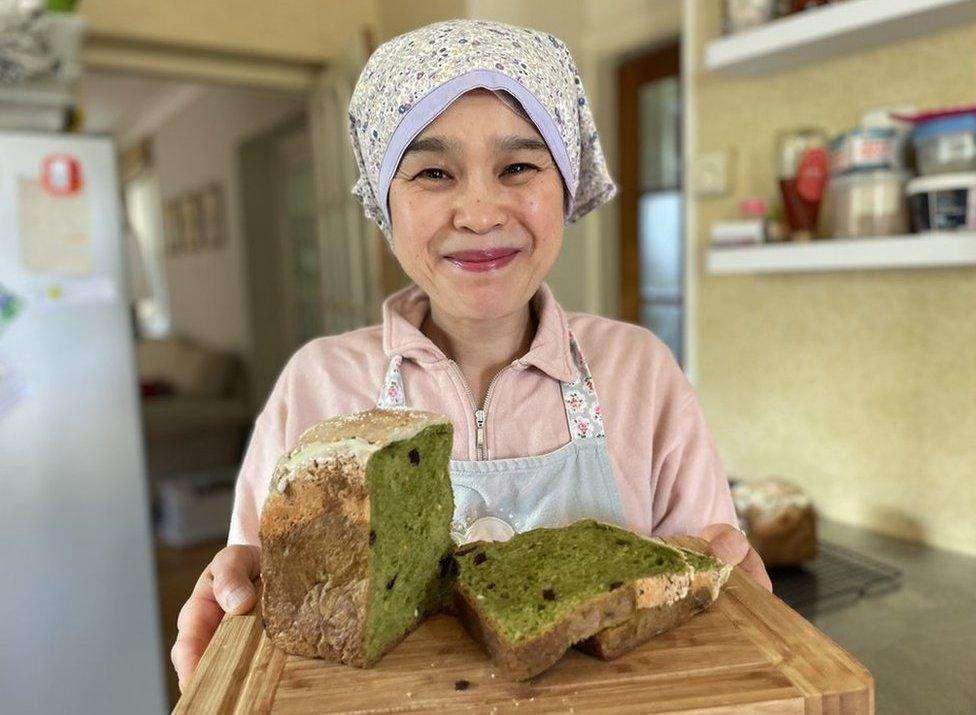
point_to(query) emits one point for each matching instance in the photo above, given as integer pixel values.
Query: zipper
(479, 421)
(480, 414)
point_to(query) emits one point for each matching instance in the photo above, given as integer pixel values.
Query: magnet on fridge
(68, 292)
(10, 307)
(61, 174)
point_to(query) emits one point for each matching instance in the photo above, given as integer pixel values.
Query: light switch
(710, 174)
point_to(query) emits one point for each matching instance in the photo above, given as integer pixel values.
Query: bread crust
(646, 623)
(316, 565)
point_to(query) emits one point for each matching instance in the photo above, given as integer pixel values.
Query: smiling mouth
(483, 260)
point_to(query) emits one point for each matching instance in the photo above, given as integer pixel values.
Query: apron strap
(391, 394)
(583, 412)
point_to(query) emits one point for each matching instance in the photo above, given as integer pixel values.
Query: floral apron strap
(583, 412)
(391, 394)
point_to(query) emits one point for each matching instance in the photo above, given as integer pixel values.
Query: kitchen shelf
(823, 32)
(47, 93)
(923, 250)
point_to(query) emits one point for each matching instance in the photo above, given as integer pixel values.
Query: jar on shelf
(867, 203)
(946, 145)
(943, 202)
(745, 14)
(802, 172)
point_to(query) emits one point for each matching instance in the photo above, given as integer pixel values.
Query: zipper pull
(479, 420)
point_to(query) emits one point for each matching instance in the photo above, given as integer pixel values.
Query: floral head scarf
(408, 81)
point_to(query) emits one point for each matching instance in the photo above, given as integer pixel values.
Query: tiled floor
(919, 641)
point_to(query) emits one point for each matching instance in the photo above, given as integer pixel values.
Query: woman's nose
(479, 208)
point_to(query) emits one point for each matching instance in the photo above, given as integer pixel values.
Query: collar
(405, 310)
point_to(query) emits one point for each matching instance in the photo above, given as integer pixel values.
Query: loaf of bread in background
(779, 520)
(356, 534)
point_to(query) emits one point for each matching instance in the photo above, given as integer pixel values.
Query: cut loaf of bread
(531, 598)
(356, 534)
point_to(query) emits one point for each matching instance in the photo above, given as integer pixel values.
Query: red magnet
(61, 174)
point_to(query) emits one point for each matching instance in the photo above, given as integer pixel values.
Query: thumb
(727, 543)
(232, 570)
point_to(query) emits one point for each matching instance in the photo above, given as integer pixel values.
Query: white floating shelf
(921, 250)
(48, 93)
(829, 30)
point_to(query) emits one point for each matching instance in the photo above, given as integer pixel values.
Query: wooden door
(651, 250)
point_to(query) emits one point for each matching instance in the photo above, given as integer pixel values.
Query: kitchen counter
(918, 641)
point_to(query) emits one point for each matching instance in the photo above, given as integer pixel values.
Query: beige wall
(396, 17)
(858, 385)
(206, 288)
(302, 30)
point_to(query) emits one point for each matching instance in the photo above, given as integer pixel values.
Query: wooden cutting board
(750, 653)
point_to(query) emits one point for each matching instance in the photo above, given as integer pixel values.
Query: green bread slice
(529, 599)
(709, 575)
(356, 535)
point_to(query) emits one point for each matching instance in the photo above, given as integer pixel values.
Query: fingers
(727, 543)
(195, 625)
(233, 569)
(713, 530)
(752, 564)
(185, 656)
(225, 585)
(731, 545)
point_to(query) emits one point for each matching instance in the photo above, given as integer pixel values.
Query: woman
(475, 145)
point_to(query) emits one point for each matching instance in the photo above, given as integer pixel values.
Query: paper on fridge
(54, 230)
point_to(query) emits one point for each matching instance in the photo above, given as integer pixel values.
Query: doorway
(652, 290)
(283, 261)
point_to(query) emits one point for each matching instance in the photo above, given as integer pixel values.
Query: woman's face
(477, 209)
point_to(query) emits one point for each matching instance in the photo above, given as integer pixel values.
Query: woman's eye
(431, 174)
(519, 168)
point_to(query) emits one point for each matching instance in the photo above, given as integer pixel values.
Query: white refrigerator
(78, 603)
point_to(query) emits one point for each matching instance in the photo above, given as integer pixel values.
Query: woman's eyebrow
(516, 143)
(436, 144)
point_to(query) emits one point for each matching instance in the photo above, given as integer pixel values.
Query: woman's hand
(732, 546)
(225, 585)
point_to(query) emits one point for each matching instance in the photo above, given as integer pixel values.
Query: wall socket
(710, 174)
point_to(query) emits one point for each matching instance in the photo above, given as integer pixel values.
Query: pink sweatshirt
(669, 475)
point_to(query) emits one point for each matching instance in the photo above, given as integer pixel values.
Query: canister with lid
(943, 202)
